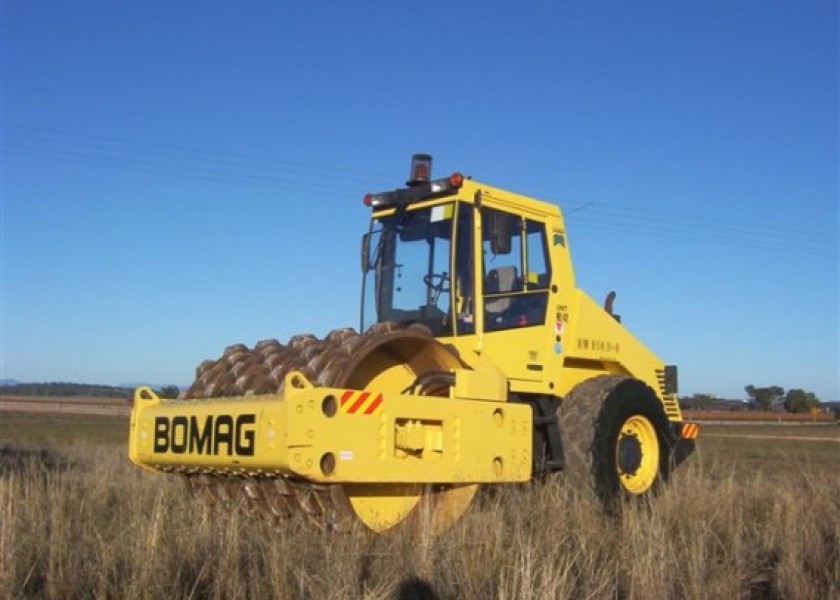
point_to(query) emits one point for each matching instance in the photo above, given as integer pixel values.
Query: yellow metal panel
(222, 435)
(595, 337)
(486, 384)
(510, 201)
(411, 439)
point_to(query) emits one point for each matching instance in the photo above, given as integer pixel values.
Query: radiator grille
(669, 401)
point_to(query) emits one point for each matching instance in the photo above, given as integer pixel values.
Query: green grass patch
(57, 431)
(773, 451)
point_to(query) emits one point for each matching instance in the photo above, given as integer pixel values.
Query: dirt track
(800, 438)
(72, 405)
(754, 417)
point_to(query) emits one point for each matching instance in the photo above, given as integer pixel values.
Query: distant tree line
(793, 401)
(770, 398)
(66, 390)
(169, 391)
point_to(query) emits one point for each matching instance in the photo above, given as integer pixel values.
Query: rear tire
(615, 438)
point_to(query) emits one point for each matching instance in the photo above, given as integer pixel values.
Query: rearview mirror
(501, 232)
(365, 252)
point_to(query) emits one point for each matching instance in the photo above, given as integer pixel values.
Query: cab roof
(464, 189)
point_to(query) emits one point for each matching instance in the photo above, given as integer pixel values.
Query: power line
(770, 237)
(213, 165)
(710, 238)
(178, 170)
(331, 171)
(647, 215)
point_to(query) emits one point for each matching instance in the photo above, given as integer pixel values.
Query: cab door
(516, 277)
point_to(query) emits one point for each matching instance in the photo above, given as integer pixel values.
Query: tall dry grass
(86, 524)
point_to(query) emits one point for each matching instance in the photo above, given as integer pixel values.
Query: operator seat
(499, 281)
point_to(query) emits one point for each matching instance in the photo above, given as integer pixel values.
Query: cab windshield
(406, 262)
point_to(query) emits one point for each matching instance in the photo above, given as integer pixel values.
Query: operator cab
(418, 260)
(407, 256)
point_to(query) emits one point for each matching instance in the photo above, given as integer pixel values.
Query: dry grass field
(749, 517)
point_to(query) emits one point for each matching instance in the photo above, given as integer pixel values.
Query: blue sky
(180, 176)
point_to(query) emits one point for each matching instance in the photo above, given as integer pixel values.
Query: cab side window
(516, 271)
(539, 273)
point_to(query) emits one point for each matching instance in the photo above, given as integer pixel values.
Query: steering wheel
(438, 283)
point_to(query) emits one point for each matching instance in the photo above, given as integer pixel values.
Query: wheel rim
(637, 454)
(392, 367)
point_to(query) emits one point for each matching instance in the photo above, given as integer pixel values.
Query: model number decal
(220, 434)
(598, 345)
